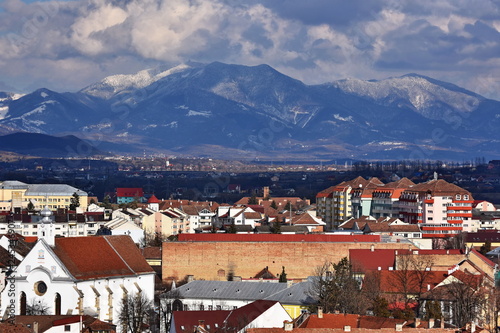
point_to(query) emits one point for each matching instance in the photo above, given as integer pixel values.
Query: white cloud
(315, 41)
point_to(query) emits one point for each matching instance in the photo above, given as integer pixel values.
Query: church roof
(94, 257)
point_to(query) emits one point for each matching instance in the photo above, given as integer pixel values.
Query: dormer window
(458, 197)
(466, 197)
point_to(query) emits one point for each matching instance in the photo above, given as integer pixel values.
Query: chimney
(347, 328)
(201, 324)
(372, 248)
(399, 327)
(442, 323)
(320, 312)
(431, 323)
(288, 325)
(472, 327)
(190, 278)
(417, 322)
(35, 327)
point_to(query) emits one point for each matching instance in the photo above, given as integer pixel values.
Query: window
(210, 307)
(40, 288)
(466, 197)
(218, 307)
(458, 197)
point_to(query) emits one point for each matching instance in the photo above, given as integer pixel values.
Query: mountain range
(254, 112)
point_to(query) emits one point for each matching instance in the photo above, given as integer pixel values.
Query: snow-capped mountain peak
(112, 85)
(425, 95)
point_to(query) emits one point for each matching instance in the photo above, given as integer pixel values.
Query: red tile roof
(221, 320)
(129, 192)
(101, 256)
(331, 320)
(278, 238)
(153, 199)
(364, 260)
(390, 281)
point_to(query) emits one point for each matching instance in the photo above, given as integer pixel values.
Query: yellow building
(15, 194)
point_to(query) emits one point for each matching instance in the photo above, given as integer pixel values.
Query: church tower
(46, 227)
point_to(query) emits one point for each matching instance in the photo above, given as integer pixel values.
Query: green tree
(232, 228)
(276, 229)
(74, 202)
(288, 206)
(274, 205)
(253, 200)
(335, 288)
(381, 307)
(485, 248)
(30, 207)
(432, 310)
(106, 203)
(283, 275)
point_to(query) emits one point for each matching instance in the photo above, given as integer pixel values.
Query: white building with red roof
(80, 276)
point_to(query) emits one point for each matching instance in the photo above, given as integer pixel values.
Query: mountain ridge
(262, 113)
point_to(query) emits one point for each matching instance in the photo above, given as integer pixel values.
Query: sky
(67, 45)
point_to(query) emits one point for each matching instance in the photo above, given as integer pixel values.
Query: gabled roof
(129, 192)
(297, 294)
(221, 320)
(306, 219)
(52, 189)
(153, 199)
(95, 257)
(227, 290)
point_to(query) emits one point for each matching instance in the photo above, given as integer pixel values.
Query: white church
(77, 275)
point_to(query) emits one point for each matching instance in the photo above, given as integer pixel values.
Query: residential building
(128, 195)
(17, 195)
(335, 205)
(261, 313)
(439, 207)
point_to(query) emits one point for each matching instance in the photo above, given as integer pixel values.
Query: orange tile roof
(95, 257)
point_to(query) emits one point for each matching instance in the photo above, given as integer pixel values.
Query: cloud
(68, 44)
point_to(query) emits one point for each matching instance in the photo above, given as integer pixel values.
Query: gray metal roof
(53, 189)
(13, 185)
(494, 252)
(296, 294)
(226, 290)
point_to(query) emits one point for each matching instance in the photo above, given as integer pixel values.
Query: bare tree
(167, 307)
(413, 272)
(467, 298)
(135, 313)
(37, 308)
(335, 288)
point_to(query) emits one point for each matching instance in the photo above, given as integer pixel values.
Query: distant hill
(35, 144)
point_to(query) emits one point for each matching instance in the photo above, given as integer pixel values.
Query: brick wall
(207, 260)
